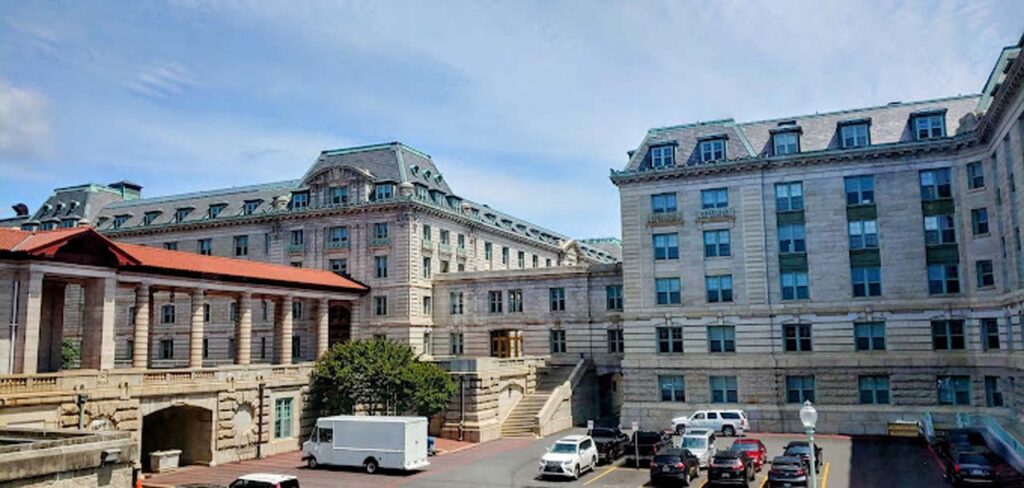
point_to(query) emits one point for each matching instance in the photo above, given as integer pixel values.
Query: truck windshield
(563, 448)
(694, 443)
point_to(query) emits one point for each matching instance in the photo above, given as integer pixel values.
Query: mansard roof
(392, 162)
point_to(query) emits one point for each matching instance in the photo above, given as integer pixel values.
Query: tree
(70, 353)
(381, 377)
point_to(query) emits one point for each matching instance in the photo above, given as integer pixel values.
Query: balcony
(337, 244)
(460, 252)
(717, 215)
(427, 244)
(664, 218)
(445, 248)
(296, 248)
(380, 242)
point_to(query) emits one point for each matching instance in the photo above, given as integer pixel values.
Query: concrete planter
(164, 461)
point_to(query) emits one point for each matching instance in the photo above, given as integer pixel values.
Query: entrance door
(506, 343)
(339, 325)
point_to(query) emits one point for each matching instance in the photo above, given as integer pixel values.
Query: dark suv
(970, 468)
(802, 450)
(646, 443)
(611, 443)
(731, 468)
(676, 465)
(787, 471)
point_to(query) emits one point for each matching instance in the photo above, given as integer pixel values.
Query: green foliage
(70, 353)
(382, 377)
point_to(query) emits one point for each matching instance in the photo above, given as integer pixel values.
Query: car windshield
(695, 443)
(667, 458)
(972, 458)
(786, 462)
(648, 437)
(798, 450)
(744, 446)
(602, 433)
(564, 448)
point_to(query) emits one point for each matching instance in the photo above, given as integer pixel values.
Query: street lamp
(809, 417)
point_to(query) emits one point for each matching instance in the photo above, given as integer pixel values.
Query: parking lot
(848, 462)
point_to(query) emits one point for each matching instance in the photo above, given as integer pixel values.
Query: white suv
(728, 422)
(570, 456)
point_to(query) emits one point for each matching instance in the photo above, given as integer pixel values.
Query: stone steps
(522, 421)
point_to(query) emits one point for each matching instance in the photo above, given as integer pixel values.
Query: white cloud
(162, 81)
(24, 122)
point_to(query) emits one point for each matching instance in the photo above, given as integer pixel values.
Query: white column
(196, 326)
(27, 354)
(98, 327)
(140, 344)
(243, 331)
(322, 326)
(283, 330)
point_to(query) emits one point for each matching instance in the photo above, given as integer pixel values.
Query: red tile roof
(43, 244)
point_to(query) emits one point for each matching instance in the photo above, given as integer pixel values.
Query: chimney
(20, 209)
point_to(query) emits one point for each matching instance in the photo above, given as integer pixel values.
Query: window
(380, 230)
(283, 418)
(167, 314)
(993, 397)
(131, 314)
(445, 237)
(990, 334)
(206, 348)
(869, 336)
(426, 267)
(460, 243)
(166, 348)
(929, 126)
(662, 156)
(939, 229)
(785, 143)
(241, 246)
(300, 201)
(979, 221)
(954, 390)
(263, 348)
(613, 295)
(722, 338)
(723, 389)
(339, 195)
(948, 335)
(670, 339)
(337, 236)
(515, 301)
(789, 196)
(860, 190)
(943, 279)
(494, 301)
(556, 299)
(557, 341)
(264, 310)
(181, 214)
(986, 276)
(147, 218)
(383, 191)
(171, 246)
(867, 281)
(666, 246)
(428, 306)
(792, 239)
(521, 259)
(671, 388)
(380, 306)
(250, 206)
(854, 135)
(719, 288)
(455, 300)
(975, 175)
(799, 389)
(298, 238)
(206, 247)
(297, 310)
(874, 390)
(714, 198)
(455, 344)
(615, 341)
(266, 243)
(863, 234)
(427, 233)
(339, 265)
(117, 223)
(713, 150)
(716, 243)
(935, 184)
(232, 311)
(380, 265)
(667, 291)
(504, 255)
(795, 286)
(488, 251)
(663, 203)
(797, 337)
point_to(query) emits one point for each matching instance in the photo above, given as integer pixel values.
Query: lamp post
(809, 417)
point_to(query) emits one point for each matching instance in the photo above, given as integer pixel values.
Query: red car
(755, 450)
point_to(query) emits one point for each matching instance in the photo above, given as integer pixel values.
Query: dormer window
(383, 191)
(214, 210)
(250, 206)
(300, 200)
(663, 156)
(422, 192)
(929, 125)
(339, 195)
(149, 217)
(68, 223)
(119, 221)
(712, 150)
(181, 214)
(50, 225)
(786, 142)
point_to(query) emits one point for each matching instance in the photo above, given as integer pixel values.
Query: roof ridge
(861, 109)
(691, 125)
(204, 193)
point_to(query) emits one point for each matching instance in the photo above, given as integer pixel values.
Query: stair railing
(559, 395)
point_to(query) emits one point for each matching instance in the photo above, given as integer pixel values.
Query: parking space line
(602, 475)
(764, 482)
(824, 476)
(702, 485)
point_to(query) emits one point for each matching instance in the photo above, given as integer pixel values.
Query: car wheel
(371, 466)
(728, 431)
(576, 472)
(311, 463)
(686, 478)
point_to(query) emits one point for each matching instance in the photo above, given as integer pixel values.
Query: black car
(787, 472)
(674, 465)
(731, 468)
(969, 468)
(957, 440)
(802, 450)
(645, 443)
(611, 443)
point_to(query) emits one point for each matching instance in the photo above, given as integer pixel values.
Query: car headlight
(566, 463)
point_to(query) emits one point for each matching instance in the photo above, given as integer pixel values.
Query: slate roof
(75, 202)
(889, 124)
(393, 162)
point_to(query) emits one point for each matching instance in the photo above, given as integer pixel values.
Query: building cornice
(1008, 89)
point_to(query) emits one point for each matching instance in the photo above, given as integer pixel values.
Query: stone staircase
(522, 422)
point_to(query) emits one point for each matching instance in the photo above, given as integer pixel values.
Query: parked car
(731, 468)
(265, 480)
(368, 442)
(728, 422)
(956, 440)
(611, 443)
(969, 468)
(754, 448)
(802, 450)
(570, 457)
(787, 472)
(676, 465)
(645, 443)
(701, 442)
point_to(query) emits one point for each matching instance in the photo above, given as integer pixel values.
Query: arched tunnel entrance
(183, 427)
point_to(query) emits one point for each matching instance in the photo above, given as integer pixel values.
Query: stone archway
(339, 325)
(184, 427)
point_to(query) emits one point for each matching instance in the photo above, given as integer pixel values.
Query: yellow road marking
(602, 475)
(764, 482)
(824, 476)
(702, 485)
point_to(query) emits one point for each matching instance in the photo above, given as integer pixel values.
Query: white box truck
(370, 442)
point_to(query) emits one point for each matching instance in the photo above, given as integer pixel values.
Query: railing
(427, 244)
(337, 244)
(713, 214)
(445, 248)
(460, 252)
(664, 218)
(559, 395)
(989, 423)
(380, 242)
(296, 248)
(928, 426)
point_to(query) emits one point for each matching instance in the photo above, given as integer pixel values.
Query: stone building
(869, 260)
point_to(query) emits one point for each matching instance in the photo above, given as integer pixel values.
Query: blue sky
(523, 105)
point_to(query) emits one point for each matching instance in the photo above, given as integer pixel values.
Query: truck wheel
(370, 465)
(311, 463)
(728, 431)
